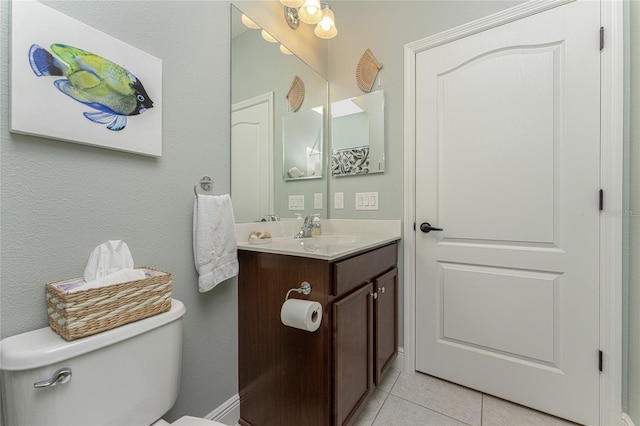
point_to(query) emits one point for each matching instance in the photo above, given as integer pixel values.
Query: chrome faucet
(271, 218)
(311, 224)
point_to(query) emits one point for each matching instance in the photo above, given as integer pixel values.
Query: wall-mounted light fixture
(312, 12)
(265, 35)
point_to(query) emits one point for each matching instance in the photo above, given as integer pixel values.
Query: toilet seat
(195, 421)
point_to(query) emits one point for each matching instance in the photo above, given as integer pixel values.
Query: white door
(507, 163)
(252, 158)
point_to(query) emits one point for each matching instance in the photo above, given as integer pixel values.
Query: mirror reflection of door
(252, 158)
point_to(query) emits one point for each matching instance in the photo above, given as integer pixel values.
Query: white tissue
(106, 259)
(121, 276)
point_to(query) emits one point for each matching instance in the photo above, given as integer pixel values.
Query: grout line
(381, 406)
(430, 409)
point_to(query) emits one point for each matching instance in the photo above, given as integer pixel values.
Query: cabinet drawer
(357, 270)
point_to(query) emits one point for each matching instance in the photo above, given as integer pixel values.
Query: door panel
(520, 146)
(353, 352)
(509, 312)
(252, 158)
(507, 139)
(386, 322)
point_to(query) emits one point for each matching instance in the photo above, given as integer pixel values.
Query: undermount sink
(323, 242)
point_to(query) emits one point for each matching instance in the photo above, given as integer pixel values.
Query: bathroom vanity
(290, 376)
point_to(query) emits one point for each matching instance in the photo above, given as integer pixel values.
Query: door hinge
(600, 361)
(601, 38)
(601, 201)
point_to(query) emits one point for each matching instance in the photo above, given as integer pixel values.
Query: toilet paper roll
(303, 314)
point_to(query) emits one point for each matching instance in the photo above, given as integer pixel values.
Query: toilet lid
(195, 421)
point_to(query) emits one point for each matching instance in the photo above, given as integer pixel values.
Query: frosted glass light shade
(249, 23)
(268, 37)
(292, 3)
(326, 28)
(310, 12)
(285, 50)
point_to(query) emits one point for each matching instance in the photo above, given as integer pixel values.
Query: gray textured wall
(60, 200)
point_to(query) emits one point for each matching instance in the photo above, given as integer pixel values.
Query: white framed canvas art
(74, 83)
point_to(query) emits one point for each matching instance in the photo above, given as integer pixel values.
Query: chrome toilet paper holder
(305, 288)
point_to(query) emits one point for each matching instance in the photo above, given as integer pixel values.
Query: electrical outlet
(296, 202)
(366, 201)
(338, 200)
(317, 200)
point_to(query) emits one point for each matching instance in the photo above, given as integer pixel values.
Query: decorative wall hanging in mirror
(367, 70)
(295, 95)
(302, 141)
(358, 135)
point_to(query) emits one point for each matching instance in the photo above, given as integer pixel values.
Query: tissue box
(82, 313)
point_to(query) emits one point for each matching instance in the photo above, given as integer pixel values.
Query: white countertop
(340, 237)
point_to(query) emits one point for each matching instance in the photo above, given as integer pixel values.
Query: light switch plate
(317, 200)
(338, 200)
(366, 201)
(296, 202)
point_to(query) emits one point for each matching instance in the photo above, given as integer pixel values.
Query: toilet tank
(129, 375)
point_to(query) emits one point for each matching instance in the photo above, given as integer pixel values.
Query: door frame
(611, 181)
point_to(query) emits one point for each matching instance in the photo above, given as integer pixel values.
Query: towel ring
(205, 183)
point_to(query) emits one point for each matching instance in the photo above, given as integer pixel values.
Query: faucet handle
(311, 218)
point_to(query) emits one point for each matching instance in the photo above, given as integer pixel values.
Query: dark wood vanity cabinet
(294, 377)
(386, 322)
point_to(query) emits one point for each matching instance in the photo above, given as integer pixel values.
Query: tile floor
(418, 399)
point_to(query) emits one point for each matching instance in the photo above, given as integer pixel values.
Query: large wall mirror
(278, 146)
(357, 139)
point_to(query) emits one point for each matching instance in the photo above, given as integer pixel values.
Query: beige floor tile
(389, 379)
(370, 411)
(441, 396)
(399, 412)
(498, 412)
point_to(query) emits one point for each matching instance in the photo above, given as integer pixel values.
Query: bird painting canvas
(72, 82)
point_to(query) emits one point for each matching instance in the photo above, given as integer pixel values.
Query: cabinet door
(353, 352)
(386, 322)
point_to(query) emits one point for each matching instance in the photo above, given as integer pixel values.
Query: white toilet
(129, 375)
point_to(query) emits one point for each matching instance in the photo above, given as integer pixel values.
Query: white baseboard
(227, 413)
(626, 420)
(398, 363)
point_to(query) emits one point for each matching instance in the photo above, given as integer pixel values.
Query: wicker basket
(85, 312)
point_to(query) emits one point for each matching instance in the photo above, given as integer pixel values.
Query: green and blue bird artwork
(94, 81)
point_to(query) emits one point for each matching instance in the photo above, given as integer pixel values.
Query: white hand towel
(214, 240)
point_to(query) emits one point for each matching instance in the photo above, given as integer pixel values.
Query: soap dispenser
(317, 227)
